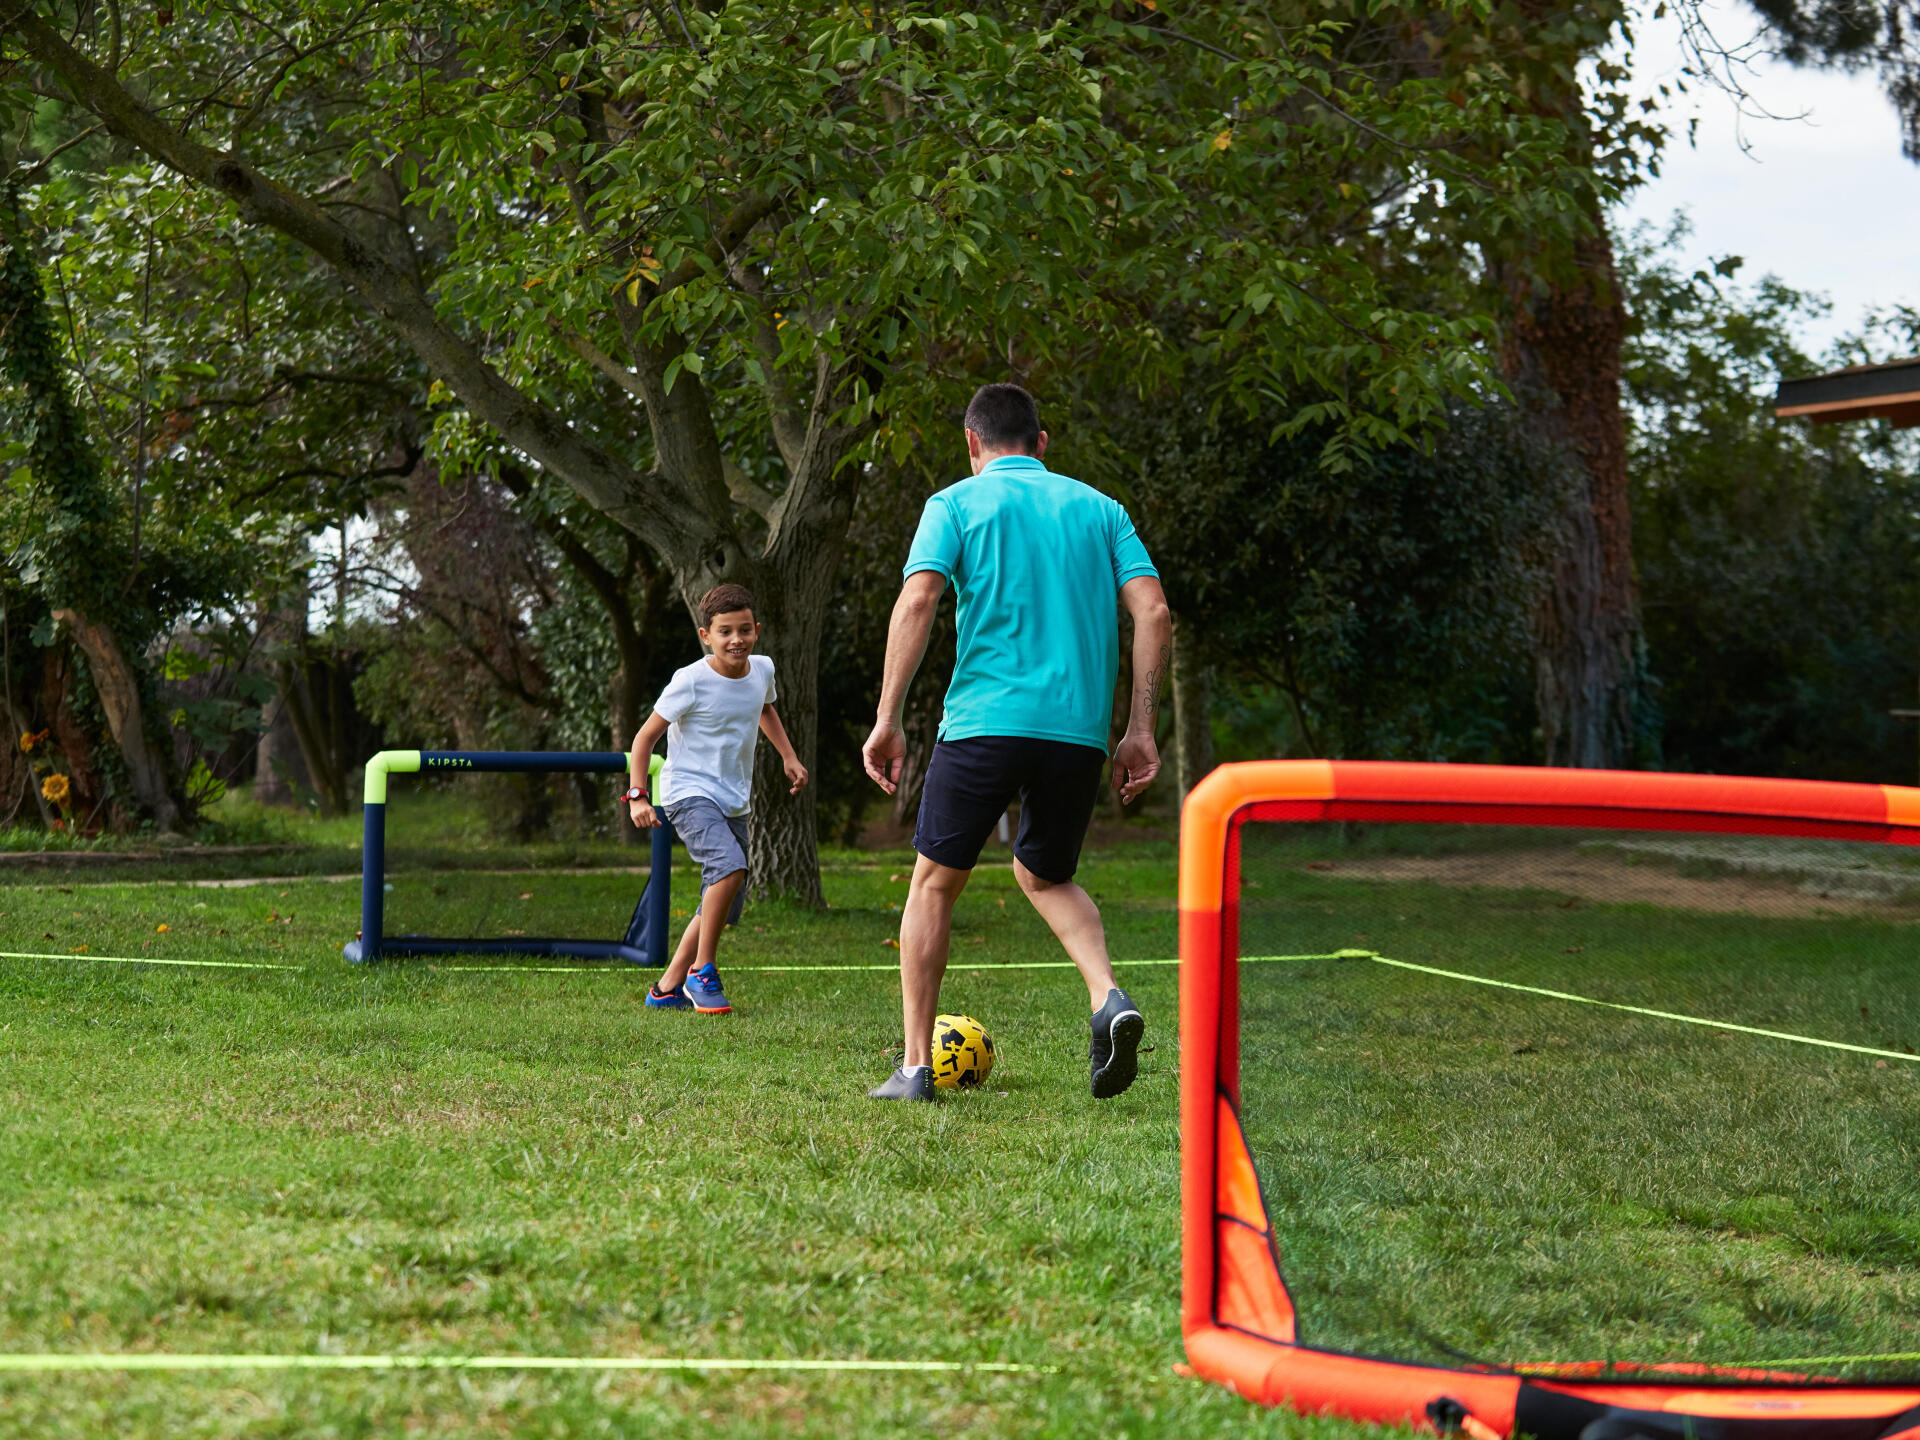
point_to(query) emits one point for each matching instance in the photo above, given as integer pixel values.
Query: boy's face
(730, 635)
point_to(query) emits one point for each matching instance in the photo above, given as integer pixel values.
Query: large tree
(703, 263)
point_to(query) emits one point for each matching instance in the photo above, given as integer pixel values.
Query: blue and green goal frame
(646, 940)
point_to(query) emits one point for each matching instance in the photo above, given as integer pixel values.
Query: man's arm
(885, 752)
(1136, 759)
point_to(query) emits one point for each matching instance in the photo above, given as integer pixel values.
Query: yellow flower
(56, 789)
(29, 741)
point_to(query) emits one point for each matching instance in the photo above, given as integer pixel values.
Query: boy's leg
(682, 962)
(926, 928)
(716, 905)
(717, 843)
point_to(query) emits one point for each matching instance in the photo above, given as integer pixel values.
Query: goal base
(395, 947)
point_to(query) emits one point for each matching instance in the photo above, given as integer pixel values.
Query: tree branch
(654, 504)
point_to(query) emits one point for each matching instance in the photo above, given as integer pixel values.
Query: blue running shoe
(704, 986)
(674, 999)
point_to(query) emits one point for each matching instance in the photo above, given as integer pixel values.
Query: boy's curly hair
(724, 600)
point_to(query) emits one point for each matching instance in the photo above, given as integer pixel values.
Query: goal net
(437, 879)
(1554, 1102)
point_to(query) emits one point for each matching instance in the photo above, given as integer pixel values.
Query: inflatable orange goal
(1573, 1104)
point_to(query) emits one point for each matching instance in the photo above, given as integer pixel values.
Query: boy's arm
(886, 749)
(638, 763)
(771, 727)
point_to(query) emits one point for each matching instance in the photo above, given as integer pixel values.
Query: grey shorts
(715, 841)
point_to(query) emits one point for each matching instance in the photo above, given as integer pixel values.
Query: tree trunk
(308, 694)
(277, 767)
(1192, 710)
(637, 636)
(1565, 347)
(784, 852)
(76, 744)
(119, 691)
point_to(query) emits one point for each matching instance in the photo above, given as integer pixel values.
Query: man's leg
(926, 926)
(966, 790)
(1055, 805)
(1075, 921)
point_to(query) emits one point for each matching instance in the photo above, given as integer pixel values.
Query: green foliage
(577, 651)
(1779, 562)
(1386, 603)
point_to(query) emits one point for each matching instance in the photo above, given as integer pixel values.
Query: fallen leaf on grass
(891, 944)
(526, 894)
(161, 929)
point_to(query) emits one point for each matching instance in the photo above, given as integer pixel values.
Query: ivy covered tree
(69, 529)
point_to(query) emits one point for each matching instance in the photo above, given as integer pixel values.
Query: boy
(710, 712)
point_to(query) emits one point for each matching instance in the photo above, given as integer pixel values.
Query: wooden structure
(1859, 392)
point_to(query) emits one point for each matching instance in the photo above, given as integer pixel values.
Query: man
(1036, 560)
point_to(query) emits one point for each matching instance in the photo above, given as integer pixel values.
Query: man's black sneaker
(902, 1086)
(1117, 1028)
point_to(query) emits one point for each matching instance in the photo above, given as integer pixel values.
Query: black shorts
(970, 783)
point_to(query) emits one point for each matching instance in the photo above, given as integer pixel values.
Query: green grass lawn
(458, 1160)
(495, 1162)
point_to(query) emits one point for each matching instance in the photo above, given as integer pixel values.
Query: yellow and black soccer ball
(962, 1052)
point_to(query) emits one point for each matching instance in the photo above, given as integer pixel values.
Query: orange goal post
(1241, 1323)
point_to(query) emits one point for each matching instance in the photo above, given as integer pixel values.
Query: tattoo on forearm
(1155, 673)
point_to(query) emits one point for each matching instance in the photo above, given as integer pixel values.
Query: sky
(1824, 200)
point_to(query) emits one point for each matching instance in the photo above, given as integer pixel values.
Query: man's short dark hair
(724, 600)
(1005, 417)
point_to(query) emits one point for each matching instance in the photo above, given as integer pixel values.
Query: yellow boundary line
(619, 969)
(1838, 1359)
(58, 1361)
(1640, 1009)
(150, 960)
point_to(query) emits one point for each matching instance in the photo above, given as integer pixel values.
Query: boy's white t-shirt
(712, 725)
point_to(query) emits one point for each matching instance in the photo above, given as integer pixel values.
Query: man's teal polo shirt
(1036, 561)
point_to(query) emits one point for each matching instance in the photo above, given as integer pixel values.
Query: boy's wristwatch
(633, 793)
